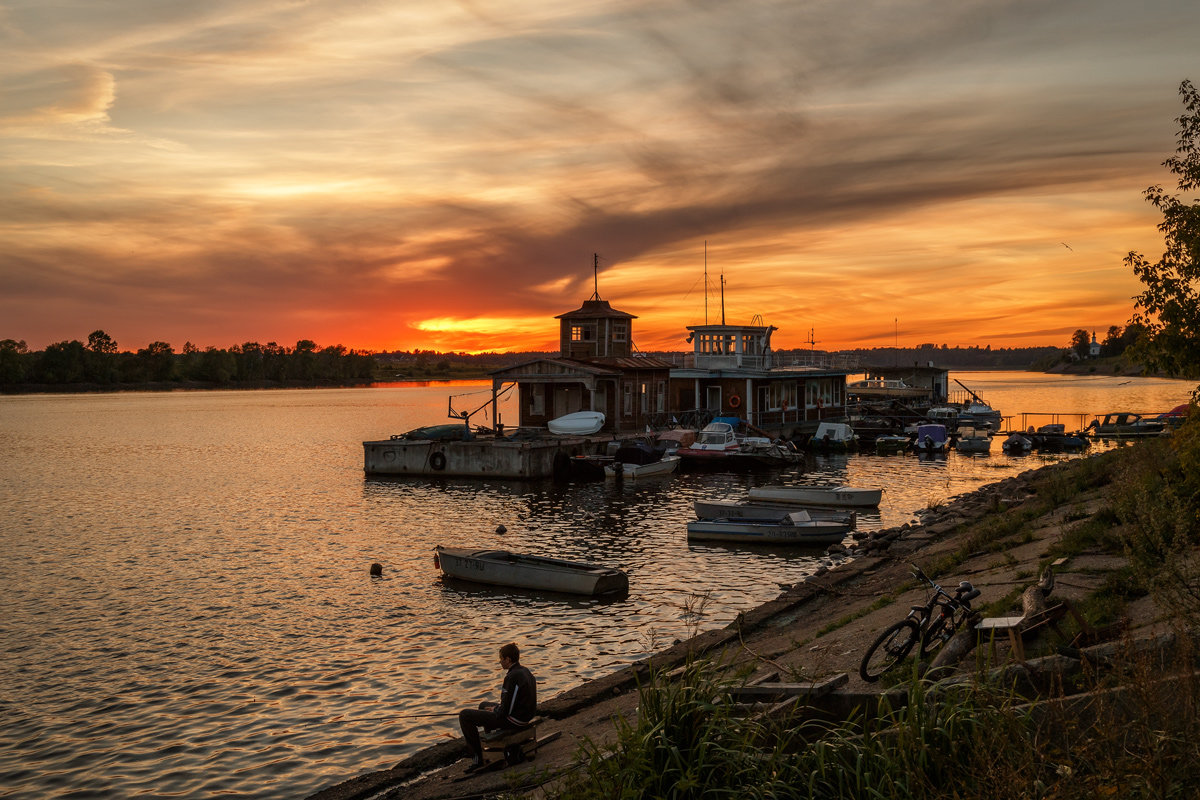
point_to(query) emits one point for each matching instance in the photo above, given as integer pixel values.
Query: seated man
(517, 706)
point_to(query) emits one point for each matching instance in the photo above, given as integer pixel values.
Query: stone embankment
(999, 537)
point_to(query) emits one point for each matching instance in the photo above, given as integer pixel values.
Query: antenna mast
(706, 281)
(722, 298)
(595, 276)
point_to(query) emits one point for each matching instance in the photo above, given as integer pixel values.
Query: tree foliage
(1169, 307)
(99, 363)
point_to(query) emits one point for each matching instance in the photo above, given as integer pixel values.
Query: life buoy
(438, 461)
(734, 401)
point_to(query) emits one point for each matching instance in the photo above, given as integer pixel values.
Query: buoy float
(501, 529)
(377, 570)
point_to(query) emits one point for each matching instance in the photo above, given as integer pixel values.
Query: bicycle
(926, 627)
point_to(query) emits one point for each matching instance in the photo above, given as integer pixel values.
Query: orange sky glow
(437, 175)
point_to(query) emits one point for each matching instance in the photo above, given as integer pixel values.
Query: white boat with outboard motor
(837, 496)
(538, 573)
(797, 528)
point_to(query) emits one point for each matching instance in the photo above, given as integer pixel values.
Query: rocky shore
(999, 537)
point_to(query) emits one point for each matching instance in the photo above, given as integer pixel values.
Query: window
(620, 330)
(645, 398)
(537, 402)
(627, 399)
(583, 333)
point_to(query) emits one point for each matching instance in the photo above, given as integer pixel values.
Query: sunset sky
(435, 174)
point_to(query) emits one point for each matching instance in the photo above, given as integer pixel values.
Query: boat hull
(814, 534)
(537, 573)
(724, 509)
(840, 496)
(580, 423)
(664, 466)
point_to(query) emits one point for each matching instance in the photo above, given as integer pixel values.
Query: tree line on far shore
(99, 362)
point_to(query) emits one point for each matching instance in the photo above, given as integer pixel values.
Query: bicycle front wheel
(892, 647)
(939, 630)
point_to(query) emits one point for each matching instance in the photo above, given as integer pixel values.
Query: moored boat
(539, 573)
(1124, 423)
(891, 443)
(839, 496)
(746, 509)
(930, 438)
(797, 528)
(579, 423)
(973, 440)
(622, 469)
(833, 437)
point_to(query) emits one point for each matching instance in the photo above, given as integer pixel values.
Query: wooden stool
(513, 745)
(1011, 625)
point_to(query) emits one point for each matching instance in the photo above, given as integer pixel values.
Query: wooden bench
(1010, 625)
(1018, 627)
(512, 745)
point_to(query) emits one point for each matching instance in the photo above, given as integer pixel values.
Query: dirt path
(815, 630)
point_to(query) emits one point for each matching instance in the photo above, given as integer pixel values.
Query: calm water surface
(187, 610)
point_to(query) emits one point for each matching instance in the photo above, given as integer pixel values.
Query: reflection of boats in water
(1124, 423)
(502, 568)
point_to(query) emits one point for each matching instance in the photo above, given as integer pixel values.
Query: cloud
(317, 163)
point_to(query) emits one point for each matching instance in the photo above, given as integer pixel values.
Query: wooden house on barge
(596, 370)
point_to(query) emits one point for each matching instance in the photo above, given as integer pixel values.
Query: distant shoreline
(1099, 367)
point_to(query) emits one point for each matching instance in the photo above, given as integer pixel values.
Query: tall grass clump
(1158, 503)
(685, 741)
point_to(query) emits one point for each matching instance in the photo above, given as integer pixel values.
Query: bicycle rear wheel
(892, 647)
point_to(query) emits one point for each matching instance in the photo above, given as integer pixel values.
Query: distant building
(1094, 347)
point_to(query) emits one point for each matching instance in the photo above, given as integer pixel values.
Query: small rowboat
(539, 573)
(621, 469)
(797, 529)
(744, 509)
(838, 496)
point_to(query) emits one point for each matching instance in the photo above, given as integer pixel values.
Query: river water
(187, 609)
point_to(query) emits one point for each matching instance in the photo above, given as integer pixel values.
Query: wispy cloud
(269, 169)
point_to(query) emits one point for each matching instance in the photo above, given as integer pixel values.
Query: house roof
(593, 309)
(562, 365)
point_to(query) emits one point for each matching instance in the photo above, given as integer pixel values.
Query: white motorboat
(797, 528)
(745, 509)
(620, 469)
(833, 437)
(580, 423)
(502, 568)
(839, 496)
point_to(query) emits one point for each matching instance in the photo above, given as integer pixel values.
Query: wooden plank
(764, 691)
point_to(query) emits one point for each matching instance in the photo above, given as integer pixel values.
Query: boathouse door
(712, 400)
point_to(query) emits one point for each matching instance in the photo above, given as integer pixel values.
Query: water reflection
(188, 609)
